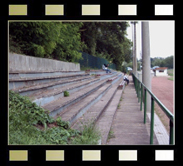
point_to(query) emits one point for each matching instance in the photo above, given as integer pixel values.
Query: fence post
(171, 133)
(141, 97)
(152, 120)
(138, 91)
(145, 97)
(135, 84)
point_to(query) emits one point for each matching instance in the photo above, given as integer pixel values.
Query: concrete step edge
(47, 85)
(111, 92)
(76, 98)
(87, 105)
(25, 83)
(48, 77)
(59, 108)
(57, 93)
(109, 124)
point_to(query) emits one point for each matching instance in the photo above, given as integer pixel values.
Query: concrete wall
(161, 73)
(23, 63)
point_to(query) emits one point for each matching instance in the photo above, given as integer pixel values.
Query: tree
(69, 43)
(47, 39)
(107, 40)
(35, 38)
(169, 62)
(65, 40)
(157, 61)
(162, 62)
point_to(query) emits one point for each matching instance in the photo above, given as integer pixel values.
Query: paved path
(128, 126)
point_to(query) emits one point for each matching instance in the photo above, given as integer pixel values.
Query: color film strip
(90, 155)
(63, 154)
(92, 10)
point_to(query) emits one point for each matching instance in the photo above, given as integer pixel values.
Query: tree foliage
(162, 62)
(46, 39)
(107, 40)
(64, 40)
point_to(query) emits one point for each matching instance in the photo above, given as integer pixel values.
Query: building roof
(161, 68)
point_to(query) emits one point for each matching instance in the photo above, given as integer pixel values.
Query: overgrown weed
(25, 117)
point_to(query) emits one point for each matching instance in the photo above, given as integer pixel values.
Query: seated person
(105, 67)
(125, 78)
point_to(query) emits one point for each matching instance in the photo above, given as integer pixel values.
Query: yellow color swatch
(127, 155)
(54, 155)
(90, 10)
(18, 155)
(18, 10)
(91, 155)
(127, 9)
(54, 10)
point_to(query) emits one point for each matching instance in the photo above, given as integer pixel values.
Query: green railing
(141, 91)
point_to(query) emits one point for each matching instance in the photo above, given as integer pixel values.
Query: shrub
(66, 93)
(89, 135)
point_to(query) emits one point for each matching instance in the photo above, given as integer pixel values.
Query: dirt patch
(163, 89)
(50, 125)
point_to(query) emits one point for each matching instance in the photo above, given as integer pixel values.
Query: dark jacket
(105, 65)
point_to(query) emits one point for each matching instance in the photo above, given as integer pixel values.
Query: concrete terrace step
(104, 122)
(43, 97)
(41, 87)
(101, 72)
(96, 110)
(112, 78)
(62, 103)
(21, 74)
(17, 82)
(95, 72)
(121, 85)
(77, 110)
(107, 75)
(29, 89)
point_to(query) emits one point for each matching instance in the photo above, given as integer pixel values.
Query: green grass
(89, 135)
(170, 73)
(30, 124)
(111, 134)
(171, 78)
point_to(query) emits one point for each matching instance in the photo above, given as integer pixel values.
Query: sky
(162, 38)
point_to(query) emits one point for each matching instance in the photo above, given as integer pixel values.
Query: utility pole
(134, 48)
(146, 71)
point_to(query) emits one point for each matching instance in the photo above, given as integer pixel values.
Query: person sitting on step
(125, 78)
(105, 67)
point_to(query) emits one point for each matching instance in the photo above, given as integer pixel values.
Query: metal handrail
(140, 87)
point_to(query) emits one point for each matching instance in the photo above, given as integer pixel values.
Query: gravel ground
(164, 91)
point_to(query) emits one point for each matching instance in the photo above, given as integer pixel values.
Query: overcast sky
(162, 42)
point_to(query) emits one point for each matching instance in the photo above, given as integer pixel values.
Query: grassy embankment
(30, 124)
